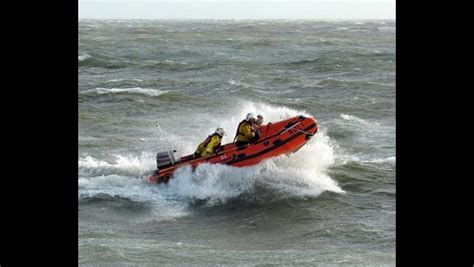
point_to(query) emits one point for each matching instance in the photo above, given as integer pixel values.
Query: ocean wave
(334, 82)
(240, 84)
(103, 63)
(382, 160)
(99, 60)
(124, 164)
(166, 62)
(386, 29)
(298, 175)
(134, 90)
(346, 158)
(261, 42)
(331, 82)
(321, 64)
(123, 80)
(171, 65)
(304, 61)
(354, 119)
(123, 188)
(382, 84)
(84, 57)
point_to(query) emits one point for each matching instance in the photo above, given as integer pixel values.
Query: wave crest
(133, 90)
(299, 175)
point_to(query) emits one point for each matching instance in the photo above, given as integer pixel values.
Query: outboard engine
(165, 159)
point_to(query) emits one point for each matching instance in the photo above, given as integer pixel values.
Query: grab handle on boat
(306, 132)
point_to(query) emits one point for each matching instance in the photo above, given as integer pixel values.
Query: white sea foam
(134, 90)
(357, 120)
(164, 207)
(383, 160)
(383, 84)
(299, 175)
(124, 79)
(238, 83)
(130, 165)
(344, 158)
(83, 57)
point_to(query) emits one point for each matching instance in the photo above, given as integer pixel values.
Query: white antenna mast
(167, 142)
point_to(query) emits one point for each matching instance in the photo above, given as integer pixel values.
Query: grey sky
(237, 9)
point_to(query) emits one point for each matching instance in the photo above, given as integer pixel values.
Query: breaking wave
(357, 120)
(134, 90)
(83, 57)
(299, 175)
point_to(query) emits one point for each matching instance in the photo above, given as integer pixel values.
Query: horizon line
(245, 19)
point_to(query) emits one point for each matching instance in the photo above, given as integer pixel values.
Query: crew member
(211, 144)
(245, 133)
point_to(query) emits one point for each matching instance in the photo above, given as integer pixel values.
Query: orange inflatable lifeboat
(275, 139)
